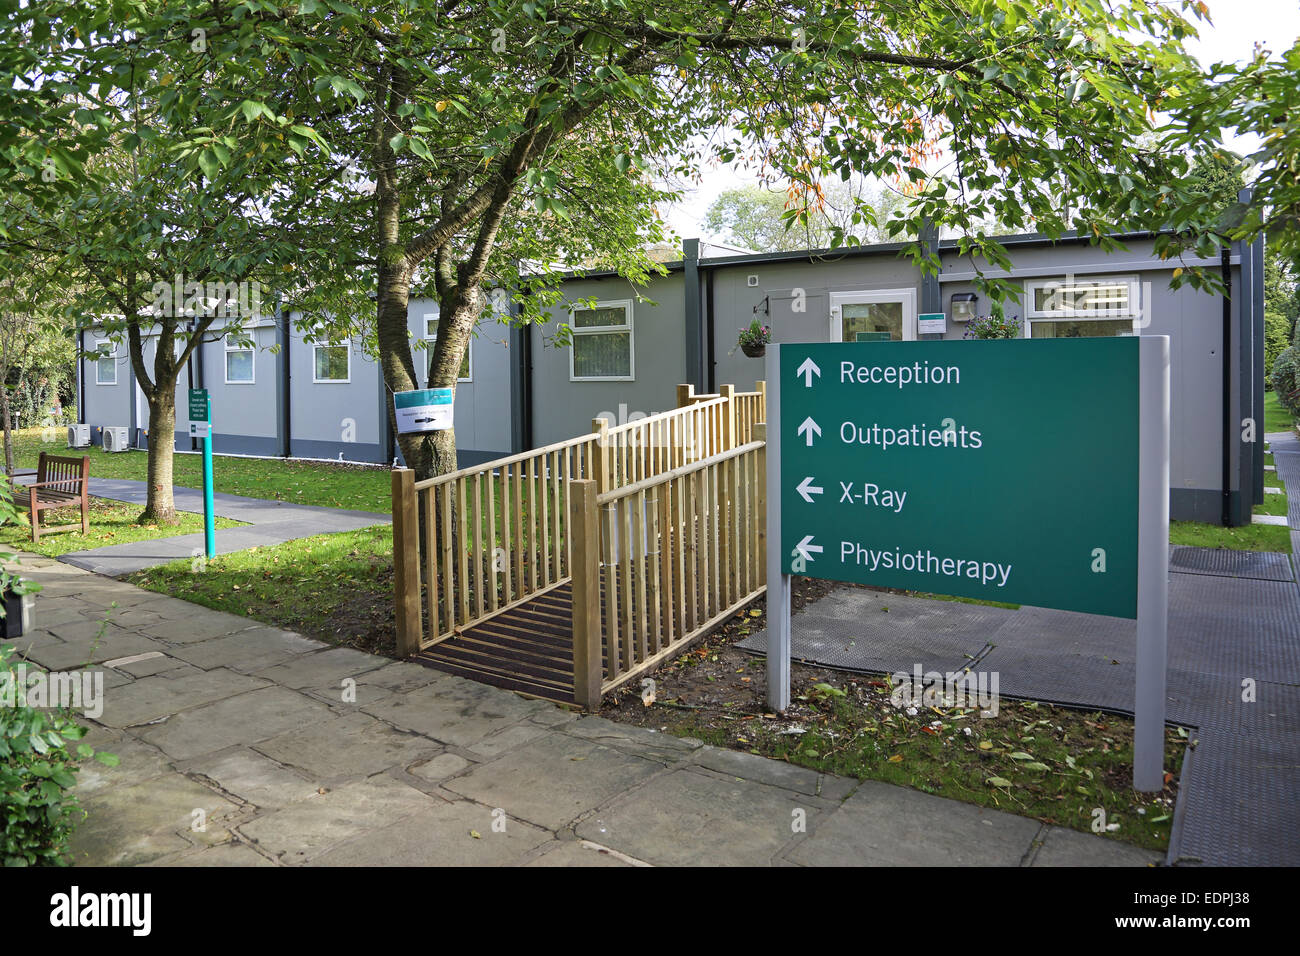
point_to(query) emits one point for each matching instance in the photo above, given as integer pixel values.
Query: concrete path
(244, 745)
(268, 523)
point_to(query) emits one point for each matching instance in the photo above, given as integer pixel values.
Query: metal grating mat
(1224, 562)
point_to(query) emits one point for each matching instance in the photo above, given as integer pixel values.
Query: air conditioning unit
(78, 436)
(115, 438)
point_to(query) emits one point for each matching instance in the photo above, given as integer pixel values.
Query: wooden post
(761, 387)
(406, 561)
(759, 515)
(585, 536)
(685, 395)
(601, 474)
(728, 393)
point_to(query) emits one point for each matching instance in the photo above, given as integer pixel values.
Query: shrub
(996, 326)
(1276, 328)
(1286, 379)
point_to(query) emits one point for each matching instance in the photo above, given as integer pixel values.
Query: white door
(873, 314)
(141, 415)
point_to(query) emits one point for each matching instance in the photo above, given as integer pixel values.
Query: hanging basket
(754, 351)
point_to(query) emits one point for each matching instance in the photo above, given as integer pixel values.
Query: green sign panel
(999, 470)
(199, 405)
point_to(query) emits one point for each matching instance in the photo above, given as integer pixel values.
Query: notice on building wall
(928, 323)
(423, 410)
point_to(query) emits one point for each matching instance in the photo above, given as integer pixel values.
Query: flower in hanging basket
(753, 339)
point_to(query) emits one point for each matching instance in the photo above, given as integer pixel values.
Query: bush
(37, 766)
(1286, 379)
(1276, 331)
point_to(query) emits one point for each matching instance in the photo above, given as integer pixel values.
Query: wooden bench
(60, 483)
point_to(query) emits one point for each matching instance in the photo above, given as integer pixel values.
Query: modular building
(289, 395)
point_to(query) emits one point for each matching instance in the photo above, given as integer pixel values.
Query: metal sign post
(1032, 472)
(201, 427)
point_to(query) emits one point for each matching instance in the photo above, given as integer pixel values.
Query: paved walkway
(267, 523)
(241, 744)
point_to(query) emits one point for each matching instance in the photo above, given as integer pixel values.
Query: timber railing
(661, 561)
(479, 541)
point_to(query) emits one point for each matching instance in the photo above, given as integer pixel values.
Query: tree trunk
(8, 426)
(161, 506)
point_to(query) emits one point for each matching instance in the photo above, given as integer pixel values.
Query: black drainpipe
(189, 377)
(81, 376)
(1225, 265)
(711, 345)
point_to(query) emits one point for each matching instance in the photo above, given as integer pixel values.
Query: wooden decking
(527, 648)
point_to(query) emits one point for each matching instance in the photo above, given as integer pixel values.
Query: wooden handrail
(646, 483)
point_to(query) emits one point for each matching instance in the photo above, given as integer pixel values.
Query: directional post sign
(1026, 471)
(201, 428)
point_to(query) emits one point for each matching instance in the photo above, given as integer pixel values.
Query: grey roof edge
(1071, 237)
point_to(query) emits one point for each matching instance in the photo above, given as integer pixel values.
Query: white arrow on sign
(808, 489)
(807, 549)
(808, 429)
(808, 369)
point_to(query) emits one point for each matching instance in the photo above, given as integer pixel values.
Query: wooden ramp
(527, 648)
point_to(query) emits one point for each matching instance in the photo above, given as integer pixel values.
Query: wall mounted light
(963, 306)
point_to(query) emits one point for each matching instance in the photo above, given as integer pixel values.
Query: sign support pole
(778, 584)
(209, 524)
(1153, 563)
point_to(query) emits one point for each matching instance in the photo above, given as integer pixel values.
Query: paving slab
(578, 853)
(72, 653)
(1062, 847)
(243, 719)
(254, 649)
(253, 778)
(150, 698)
(224, 855)
(201, 624)
(135, 824)
(445, 834)
(460, 713)
(554, 780)
(356, 744)
(440, 767)
(886, 825)
(307, 828)
(687, 818)
(323, 671)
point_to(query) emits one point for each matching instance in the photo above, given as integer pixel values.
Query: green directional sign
(999, 470)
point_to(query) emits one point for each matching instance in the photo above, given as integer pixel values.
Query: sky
(1235, 27)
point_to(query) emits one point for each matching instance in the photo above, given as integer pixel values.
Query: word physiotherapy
(1003, 470)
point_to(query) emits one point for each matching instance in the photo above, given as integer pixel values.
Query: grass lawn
(356, 487)
(111, 522)
(336, 587)
(1254, 537)
(1276, 418)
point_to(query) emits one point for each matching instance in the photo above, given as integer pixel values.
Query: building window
(1071, 307)
(466, 373)
(602, 347)
(105, 362)
(331, 362)
(239, 358)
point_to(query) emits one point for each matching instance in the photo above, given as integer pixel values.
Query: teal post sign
(1031, 471)
(201, 428)
(1000, 470)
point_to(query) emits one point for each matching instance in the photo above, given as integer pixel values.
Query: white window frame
(1132, 312)
(433, 337)
(100, 355)
(870, 296)
(574, 332)
(225, 358)
(346, 345)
